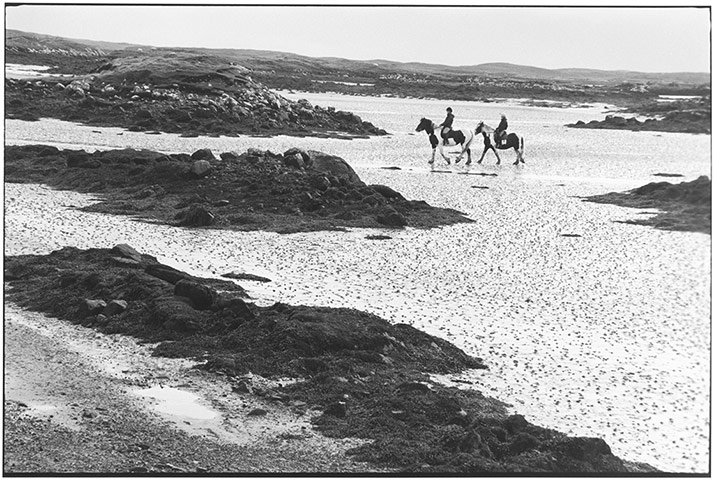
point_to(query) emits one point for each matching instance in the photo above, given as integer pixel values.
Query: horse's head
(424, 124)
(479, 128)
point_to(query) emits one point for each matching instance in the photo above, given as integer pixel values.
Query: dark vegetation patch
(369, 378)
(289, 192)
(684, 206)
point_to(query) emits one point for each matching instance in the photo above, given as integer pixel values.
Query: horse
(461, 137)
(512, 141)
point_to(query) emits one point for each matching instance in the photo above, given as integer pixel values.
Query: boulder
(126, 251)
(94, 307)
(173, 313)
(115, 307)
(203, 154)
(200, 169)
(229, 156)
(201, 295)
(391, 218)
(335, 166)
(196, 216)
(294, 160)
(169, 274)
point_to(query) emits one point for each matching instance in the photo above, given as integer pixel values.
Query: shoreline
(374, 380)
(88, 396)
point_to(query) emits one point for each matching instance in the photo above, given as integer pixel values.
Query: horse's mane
(487, 128)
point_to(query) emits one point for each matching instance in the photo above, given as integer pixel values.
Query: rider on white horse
(447, 125)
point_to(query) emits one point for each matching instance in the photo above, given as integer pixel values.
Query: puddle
(172, 401)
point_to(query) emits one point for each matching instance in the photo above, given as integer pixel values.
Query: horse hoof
(467, 163)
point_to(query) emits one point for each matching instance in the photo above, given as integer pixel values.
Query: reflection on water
(602, 334)
(173, 401)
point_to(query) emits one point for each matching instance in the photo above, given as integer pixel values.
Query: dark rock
(94, 307)
(196, 216)
(242, 387)
(229, 156)
(82, 160)
(294, 161)
(124, 250)
(126, 262)
(523, 442)
(115, 307)
(246, 276)
(239, 309)
(387, 192)
(201, 295)
(391, 218)
(257, 412)
(336, 409)
(203, 154)
(200, 169)
(102, 319)
(173, 313)
(516, 423)
(335, 166)
(585, 448)
(167, 273)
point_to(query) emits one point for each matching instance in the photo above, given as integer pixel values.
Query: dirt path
(67, 385)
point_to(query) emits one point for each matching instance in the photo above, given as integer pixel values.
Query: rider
(446, 124)
(500, 133)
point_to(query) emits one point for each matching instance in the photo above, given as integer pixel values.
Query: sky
(654, 38)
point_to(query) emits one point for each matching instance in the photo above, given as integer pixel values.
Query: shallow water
(176, 402)
(603, 334)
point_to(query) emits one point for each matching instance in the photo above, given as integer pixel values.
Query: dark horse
(461, 137)
(512, 141)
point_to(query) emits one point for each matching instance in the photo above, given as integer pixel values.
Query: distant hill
(22, 43)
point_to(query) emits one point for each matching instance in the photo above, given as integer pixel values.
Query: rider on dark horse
(446, 124)
(499, 135)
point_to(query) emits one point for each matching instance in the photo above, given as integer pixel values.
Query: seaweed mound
(177, 91)
(684, 206)
(287, 192)
(362, 376)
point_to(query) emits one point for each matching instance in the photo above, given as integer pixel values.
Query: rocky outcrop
(684, 206)
(187, 94)
(286, 192)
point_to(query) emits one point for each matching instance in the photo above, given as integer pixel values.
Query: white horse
(460, 137)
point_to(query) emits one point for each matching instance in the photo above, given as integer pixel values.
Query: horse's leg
(498, 159)
(433, 154)
(521, 150)
(441, 151)
(468, 151)
(461, 155)
(485, 149)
